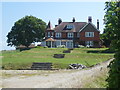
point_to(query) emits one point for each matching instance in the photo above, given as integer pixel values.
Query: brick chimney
(98, 24)
(59, 21)
(73, 19)
(89, 19)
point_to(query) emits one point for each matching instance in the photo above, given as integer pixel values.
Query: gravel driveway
(51, 79)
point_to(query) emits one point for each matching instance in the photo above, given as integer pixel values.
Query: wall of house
(64, 35)
(95, 38)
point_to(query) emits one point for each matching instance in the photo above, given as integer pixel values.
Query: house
(72, 34)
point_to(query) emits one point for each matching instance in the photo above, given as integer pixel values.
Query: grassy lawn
(24, 59)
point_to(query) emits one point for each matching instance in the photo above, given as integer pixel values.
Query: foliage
(23, 60)
(61, 46)
(25, 31)
(109, 20)
(80, 46)
(112, 31)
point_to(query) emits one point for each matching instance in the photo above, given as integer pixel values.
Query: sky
(13, 11)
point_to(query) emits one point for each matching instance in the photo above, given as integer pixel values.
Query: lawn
(24, 59)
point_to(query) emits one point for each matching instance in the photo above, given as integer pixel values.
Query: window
(89, 34)
(78, 35)
(45, 34)
(52, 34)
(63, 43)
(70, 26)
(70, 35)
(58, 35)
(48, 34)
(90, 43)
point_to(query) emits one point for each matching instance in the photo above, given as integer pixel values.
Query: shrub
(45, 46)
(61, 46)
(81, 46)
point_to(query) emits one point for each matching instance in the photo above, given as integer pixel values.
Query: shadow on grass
(24, 49)
(101, 51)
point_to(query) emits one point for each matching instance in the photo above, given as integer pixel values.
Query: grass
(13, 60)
(98, 81)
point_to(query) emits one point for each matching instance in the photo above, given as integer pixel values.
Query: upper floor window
(52, 34)
(69, 26)
(70, 35)
(45, 34)
(89, 34)
(58, 35)
(49, 34)
(78, 35)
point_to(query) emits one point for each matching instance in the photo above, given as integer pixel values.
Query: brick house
(72, 34)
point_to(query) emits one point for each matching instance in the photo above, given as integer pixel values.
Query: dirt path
(51, 79)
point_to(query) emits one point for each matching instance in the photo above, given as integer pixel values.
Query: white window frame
(78, 35)
(69, 26)
(90, 43)
(70, 35)
(48, 34)
(89, 34)
(58, 35)
(52, 34)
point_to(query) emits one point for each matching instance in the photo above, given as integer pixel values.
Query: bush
(61, 46)
(38, 47)
(45, 46)
(87, 46)
(81, 46)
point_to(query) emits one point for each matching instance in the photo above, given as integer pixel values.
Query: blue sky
(13, 11)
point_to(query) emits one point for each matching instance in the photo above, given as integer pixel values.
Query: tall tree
(25, 31)
(112, 25)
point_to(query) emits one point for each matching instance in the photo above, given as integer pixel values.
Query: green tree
(112, 25)
(25, 31)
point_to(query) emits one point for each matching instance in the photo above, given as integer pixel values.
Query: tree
(112, 25)
(25, 31)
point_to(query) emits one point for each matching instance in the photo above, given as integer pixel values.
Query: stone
(76, 66)
(66, 51)
(59, 55)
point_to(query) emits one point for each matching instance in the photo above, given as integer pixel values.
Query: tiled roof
(89, 27)
(50, 39)
(77, 26)
(49, 26)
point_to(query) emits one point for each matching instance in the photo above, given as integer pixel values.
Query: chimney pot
(73, 19)
(59, 21)
(98, 24)
(89, 19)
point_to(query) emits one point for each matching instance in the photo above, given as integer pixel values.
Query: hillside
(13, 60)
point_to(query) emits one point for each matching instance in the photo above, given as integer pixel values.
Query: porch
(53, 43)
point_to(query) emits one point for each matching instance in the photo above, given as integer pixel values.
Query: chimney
(89, 19)
(73, 19)
(98, 24)
(59, 21)
(56, 25)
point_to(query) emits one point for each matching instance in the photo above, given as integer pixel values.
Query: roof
(89, 27)
(77, 26)
(49, 26)
(50, 39)
(22, 46)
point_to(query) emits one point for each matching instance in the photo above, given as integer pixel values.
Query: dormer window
(70, 26)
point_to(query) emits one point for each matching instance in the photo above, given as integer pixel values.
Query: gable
(89, 27)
